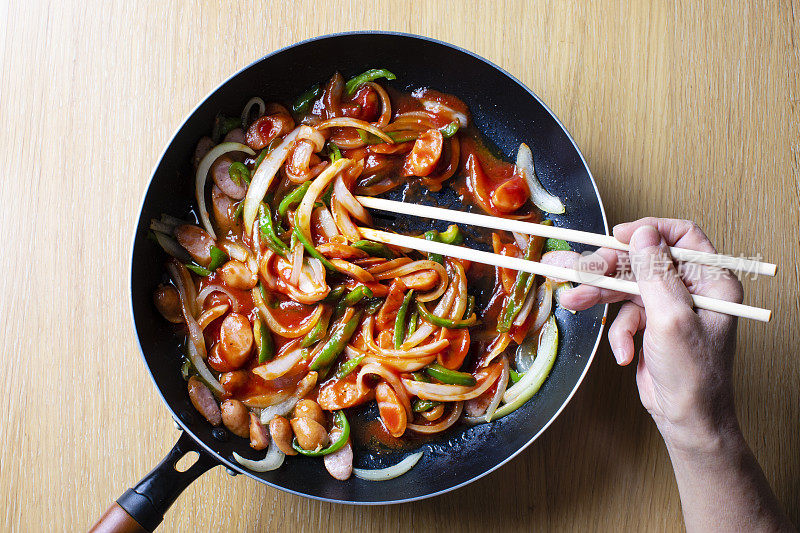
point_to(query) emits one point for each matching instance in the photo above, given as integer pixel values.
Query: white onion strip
(426, 329)
(197, 346)
(403, 353)
(400, 365)
(210, 315)
(451, 419)
(347, 122)
(502, 383)
(452, 393)
(208, 289)
(297, 263)
(279, 329)
(326, 222)
(271, 461)
(282, 364)
(539, 195)
(263, 177)
(202, 174)
(385, 474)
(349, 201)
(280, 409)
(310, 198)
(343, 221)
(172, 247)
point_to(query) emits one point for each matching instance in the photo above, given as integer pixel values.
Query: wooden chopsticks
(737, 264)
(551, 271)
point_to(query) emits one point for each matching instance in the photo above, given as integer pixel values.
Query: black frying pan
(508, 113)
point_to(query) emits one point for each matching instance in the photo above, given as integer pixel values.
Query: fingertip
(622, 232)
(579, 298)
(645, 237)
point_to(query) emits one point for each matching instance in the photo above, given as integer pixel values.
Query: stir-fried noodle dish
(292, 318)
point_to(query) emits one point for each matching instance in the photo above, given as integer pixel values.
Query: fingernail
(645, 237)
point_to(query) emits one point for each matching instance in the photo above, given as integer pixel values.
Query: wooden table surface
(684, 110)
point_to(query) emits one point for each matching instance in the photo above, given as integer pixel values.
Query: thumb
(662, 289)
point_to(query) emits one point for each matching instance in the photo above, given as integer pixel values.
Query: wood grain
(681, 109)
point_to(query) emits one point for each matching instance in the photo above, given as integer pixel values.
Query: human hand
(684, 372)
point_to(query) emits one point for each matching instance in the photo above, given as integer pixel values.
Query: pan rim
(238, 469)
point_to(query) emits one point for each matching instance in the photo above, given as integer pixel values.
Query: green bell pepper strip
(239, 173)
(419, 376)
(433, 235)
(519, 291)
(239, 209)
(224, 125)
(218, 258)
(340, 421)
(420, 405)
(452, 235)
(349, 365)
(451, 377)
(301, 105)
(400, 320)
(336, 154)
(335, 345)
(556, 244)
(450, 130)
(427, 316)
(273, 242)
(293, 198)
(375, 249)
(372, 305)
(309, 248)
(318, 332)
(197, 269)
(266, 350)
(412, 323)
(514, 375)
(370, 75)
(470, 306)
(334, 295)
(353, 297)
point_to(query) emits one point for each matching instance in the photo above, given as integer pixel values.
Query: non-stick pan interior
(507, 113)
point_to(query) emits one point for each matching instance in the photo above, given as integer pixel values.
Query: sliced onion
(326, 223)
(343, 221)
(271, 461)
(416, 266)
(255, 101)
(497, 347)
(385, 474)
(263, 178)
(460, 281)
(208, 289)
(314, 191)
(197, 345)
(349, 201)
(210, 315)
(545, 306)
(411, 353)
(401, 365)
(502, 383)
(278, 328)
(526, 353)
(202, 174)
(172, 247)
(297, 263)
(539, 195)
(347, 122)
(281, 364)
(310, 134)
(451, 393)
(386, 104)
(536, 374)
(390, 377)
(521, 240)
(261, 401)
(352, 270)
(304, 386)
(440, 426)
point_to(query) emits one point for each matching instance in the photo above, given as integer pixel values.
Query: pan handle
(142, 508)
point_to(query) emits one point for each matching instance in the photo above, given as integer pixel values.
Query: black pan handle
(142, 508)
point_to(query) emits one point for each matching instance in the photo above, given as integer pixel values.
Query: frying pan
(506, 112)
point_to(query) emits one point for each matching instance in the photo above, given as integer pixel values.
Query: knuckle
(675, 321)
